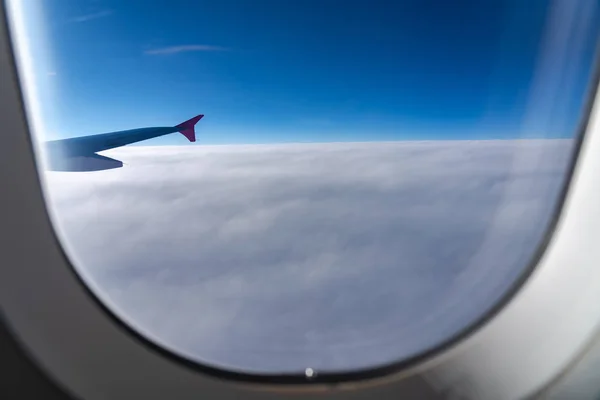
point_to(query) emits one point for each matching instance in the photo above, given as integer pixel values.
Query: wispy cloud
(89, 17)
(184, 49)
(51, 73)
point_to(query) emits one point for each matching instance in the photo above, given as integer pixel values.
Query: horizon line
(200, 144)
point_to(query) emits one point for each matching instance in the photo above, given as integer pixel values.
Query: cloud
(333, 256)
(92, 16)
(185, 48)
(51, 73)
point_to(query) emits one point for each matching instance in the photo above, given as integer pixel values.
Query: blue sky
(313, 70)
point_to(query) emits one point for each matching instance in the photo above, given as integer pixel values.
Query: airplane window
(290, 187)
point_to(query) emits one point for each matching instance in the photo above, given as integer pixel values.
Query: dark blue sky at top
(312, 70)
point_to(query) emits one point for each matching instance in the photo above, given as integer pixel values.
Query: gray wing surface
(79, 153)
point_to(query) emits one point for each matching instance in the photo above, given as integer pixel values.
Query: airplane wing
(79, 153)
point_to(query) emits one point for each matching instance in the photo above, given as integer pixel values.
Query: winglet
(187, 128)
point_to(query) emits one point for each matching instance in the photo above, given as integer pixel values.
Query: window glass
(269, 186)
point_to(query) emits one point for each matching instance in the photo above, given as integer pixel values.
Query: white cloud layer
(330, 256)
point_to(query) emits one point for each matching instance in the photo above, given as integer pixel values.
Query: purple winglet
(187, 128)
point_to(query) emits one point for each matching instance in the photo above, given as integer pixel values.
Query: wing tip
(187, 128)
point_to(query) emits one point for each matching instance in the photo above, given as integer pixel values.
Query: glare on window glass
(271, 186)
